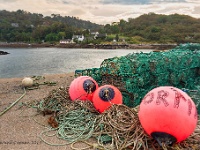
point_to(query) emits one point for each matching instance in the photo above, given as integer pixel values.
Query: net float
(82, 88)
(168, 115)
(27, 82)
(105, 96)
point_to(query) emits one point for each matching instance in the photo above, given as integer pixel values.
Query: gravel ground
(18, 130)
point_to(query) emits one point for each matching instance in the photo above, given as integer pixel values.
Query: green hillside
(22, 26)
(158, 28)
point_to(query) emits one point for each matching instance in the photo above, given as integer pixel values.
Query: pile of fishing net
(117, 128)
(137, 73)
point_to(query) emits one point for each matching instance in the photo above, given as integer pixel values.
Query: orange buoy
(168, 115)
(82, 88)
(105, 96)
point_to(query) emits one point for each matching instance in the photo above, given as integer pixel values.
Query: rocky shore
(3, 53)
(94, 46)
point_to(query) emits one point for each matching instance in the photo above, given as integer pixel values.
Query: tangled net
(117, 128)
(136, 74)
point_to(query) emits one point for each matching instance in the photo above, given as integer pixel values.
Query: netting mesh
(137, 73)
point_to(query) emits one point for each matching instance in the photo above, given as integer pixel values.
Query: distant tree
(86, 32)
(68, 33)
(122, 25)
(51, 37)
(114, 29)
(107, 29)
(61, 35)
(117, 37)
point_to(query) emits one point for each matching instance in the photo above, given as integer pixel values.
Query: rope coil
(117, 128)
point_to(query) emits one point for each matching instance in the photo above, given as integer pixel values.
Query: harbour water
(23, 62)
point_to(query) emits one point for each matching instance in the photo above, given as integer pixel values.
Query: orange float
(105, 96)
(168, 115)
(82, 88)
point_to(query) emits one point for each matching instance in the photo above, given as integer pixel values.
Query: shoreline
(88, 46)
(45, 75)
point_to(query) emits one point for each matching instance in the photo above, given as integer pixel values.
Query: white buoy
(27, 82)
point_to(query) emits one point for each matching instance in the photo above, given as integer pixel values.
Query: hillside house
(101, 36)
(16, 25)
(66, 41)
(94, 34)
(79, 38)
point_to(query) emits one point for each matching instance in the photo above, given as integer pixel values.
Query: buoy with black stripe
(82, 88)
(168, 115)
(105, 96)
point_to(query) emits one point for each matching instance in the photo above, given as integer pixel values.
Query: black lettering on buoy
(178, 97)
(89, 86)
(148, 98)
(189, 107)
(161, 97)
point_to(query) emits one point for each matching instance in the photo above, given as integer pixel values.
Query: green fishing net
(137, 73)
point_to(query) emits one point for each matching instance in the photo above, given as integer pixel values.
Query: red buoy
(82, 88)
(105, 96)
(168, 114)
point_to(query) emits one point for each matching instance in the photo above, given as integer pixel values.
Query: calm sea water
(23, 62)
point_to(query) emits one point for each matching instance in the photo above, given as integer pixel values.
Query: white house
(16, 25)
(79, 38)
(94, 34)
(66, 41)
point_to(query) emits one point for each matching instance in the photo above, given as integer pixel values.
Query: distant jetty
(93, 46)
(3, 53)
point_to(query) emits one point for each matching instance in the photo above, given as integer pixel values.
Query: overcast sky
(104, 11)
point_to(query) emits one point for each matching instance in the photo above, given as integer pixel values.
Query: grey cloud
(77, 2)
(129, 2)
(58, 1)
(65, 2)
(9, 1)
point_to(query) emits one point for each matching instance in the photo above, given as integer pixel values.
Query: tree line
(157, 28)
(23, 26)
